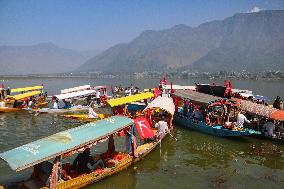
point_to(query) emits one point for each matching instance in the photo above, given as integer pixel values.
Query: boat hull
(216, 130)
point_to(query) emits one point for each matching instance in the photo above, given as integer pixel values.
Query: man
(241, 119)
(162, 127)
(197, 115)
(269, 128)
(81, 162)
(55, 104)
(92, 113)
(98, 97)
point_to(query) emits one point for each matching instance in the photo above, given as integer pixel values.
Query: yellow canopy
(129, 99)
(17, 90)
(25, 95)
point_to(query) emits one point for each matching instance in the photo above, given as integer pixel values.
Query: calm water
(195, 160)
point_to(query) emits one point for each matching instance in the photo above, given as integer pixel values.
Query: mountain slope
(235, 43)
(40, 59)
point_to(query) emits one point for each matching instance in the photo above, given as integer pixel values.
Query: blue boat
(208, 104)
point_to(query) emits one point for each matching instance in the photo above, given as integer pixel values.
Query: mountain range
(246, 41)
(43, 58)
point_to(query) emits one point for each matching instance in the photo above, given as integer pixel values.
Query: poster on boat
(143, 128)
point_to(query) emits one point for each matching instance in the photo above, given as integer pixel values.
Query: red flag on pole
(143, 128)
(3, 86)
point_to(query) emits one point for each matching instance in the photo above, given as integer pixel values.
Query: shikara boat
(69, 142)
(82, 94)
(259, 114)
(16, 102)
(121, 106)
(217, 113)
(128, 104)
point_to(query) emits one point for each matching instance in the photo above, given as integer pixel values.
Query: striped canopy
(262, 110)
(164, 103)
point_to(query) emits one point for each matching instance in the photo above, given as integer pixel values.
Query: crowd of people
(118, 91)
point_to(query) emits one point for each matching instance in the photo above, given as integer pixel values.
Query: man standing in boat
(241, 119)
(162, 127)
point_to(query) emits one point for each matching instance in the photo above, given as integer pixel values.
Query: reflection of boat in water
(217, 114)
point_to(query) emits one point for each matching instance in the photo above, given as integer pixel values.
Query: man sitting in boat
(162, 127)
(269, 128)
(241, 119)
(55, 104)
(92, 113)
(2, 104)
(197, 115)
(81, 162)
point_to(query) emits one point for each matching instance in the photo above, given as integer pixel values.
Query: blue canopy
(44, 149)
(265, 98)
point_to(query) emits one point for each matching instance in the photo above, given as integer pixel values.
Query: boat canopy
(196, 97)
(63, 142)
(164, 103)
(179, 87)
(262, 110)
(18, 90)
(24, 95)
(129, 99)
(99, 87)
(74, 89)
(74, 94)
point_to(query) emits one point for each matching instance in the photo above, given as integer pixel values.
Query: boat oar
(173, 136)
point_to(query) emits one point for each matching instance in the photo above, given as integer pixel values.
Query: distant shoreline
(269, 75)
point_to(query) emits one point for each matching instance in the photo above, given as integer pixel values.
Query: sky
(100, 24)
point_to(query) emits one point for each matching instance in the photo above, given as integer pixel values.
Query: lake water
(195, 160)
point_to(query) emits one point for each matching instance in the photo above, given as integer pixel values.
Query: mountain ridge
(241, 41)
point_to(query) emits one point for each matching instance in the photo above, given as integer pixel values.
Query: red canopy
(143, 128)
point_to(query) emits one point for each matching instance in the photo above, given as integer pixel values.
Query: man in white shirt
(98, 97)
(269, 127)
(162, 127)
(241, 119)
(2, 104)
(55, 104)
(92, 113)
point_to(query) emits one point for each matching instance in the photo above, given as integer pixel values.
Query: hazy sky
(99, 24)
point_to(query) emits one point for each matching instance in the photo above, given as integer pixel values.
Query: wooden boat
(69, 142)
(15, 102)
(58, 111)
(259, 114)
(84, 117)
(217, 112)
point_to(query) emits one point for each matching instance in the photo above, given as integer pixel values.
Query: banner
(143, 128)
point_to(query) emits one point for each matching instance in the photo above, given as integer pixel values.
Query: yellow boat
(84, 117)
(72, 141)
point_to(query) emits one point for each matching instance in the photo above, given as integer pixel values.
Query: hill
(42, 58)
(245, 41)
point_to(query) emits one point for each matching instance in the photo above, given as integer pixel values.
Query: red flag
(156, 92)
(165, 79)
(111, 89)
(3, 86)
(143, 128)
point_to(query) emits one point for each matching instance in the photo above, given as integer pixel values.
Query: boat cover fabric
(18, 90)
(262, 110)
(25, 95)
(143, 127)
(164, 103)
(129, 99)
(179, 87)
(74, 89)
(63, 142)
(75, 94)
(196, 97)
